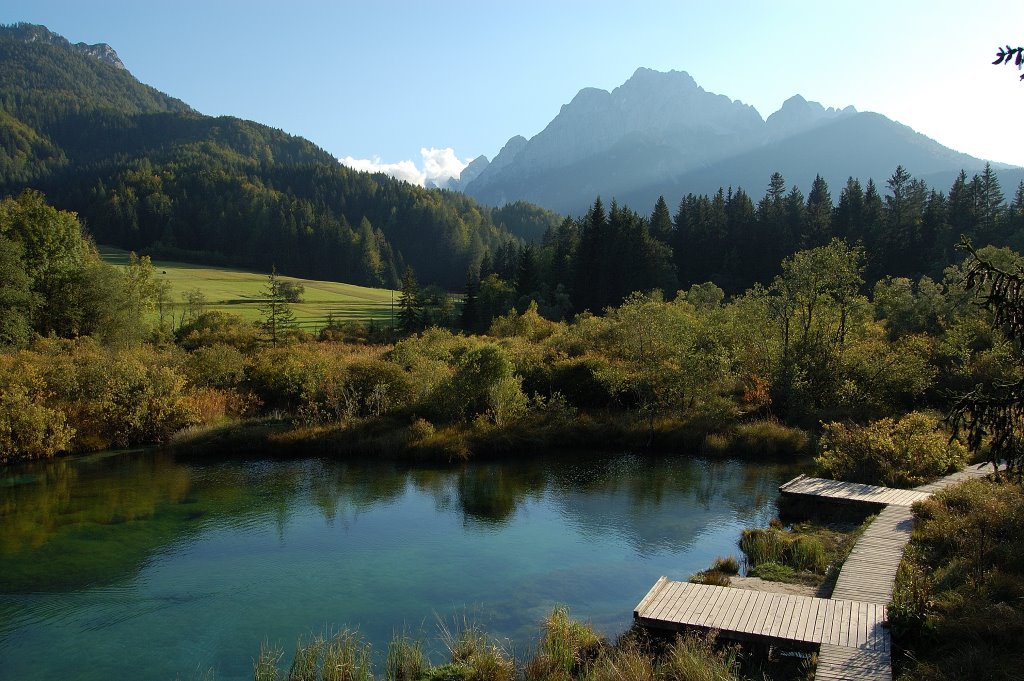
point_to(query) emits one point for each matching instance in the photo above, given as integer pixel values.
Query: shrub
(216, 366)
(900, 453)
(381, 386)
(28, 429)
(728, 565)
(223, 328)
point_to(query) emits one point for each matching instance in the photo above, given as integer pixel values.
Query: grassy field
(240, 292)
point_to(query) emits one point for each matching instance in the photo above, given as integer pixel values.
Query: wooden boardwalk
(743, 614)
(851, 491)
(869, 574)
(850, 627)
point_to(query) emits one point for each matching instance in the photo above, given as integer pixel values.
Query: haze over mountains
(662, 134)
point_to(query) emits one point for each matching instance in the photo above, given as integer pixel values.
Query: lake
(147, 565)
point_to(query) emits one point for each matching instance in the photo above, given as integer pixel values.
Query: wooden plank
(752, 620)
(653, 606)
(652, 593)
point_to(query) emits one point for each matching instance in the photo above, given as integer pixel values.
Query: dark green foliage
(410, 313)
(992, 414)
(617, 256)
(17, 299)
(525, 220)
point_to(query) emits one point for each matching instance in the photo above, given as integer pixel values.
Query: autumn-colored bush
(896, 453)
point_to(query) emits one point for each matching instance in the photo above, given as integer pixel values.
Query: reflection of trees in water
(46, 497)
(491, 493)
(70, 522)
(336, 488)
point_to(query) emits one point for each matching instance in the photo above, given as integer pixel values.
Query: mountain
(662, 134)
(147, 172)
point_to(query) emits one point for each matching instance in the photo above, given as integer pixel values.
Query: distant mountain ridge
(662, 134)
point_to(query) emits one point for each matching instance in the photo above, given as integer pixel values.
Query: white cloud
(440, 165)
(403, 170)
(437, 166)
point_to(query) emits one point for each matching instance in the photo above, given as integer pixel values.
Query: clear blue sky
(383, 79)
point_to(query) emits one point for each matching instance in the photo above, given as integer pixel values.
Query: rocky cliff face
(33, 33)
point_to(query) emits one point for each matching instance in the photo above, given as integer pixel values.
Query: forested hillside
(145, 171)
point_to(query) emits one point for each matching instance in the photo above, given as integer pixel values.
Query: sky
(420, 88)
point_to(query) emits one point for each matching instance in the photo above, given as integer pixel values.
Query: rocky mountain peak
(797, 114)
(35, 33)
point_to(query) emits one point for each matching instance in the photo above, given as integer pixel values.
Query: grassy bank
(406, 436)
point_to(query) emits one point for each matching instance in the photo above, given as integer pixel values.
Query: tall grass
(764, 545)
(694, 658)
(807, 553)
(406, 660)
(474, 655)
(958, 604)
(567, 648)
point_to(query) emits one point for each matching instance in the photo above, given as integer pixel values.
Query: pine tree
(661, 221)
(990, 203)
(409, 313)
(277, 313)
(818, 224)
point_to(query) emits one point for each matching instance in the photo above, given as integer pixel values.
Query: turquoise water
(146, 566)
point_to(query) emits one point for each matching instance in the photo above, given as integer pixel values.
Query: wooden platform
(742, 614)
(849, 627)
(851, 491)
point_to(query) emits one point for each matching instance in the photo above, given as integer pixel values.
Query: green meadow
(241, 291)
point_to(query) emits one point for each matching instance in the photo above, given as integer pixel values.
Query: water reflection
(68, 523)
(204, 559)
